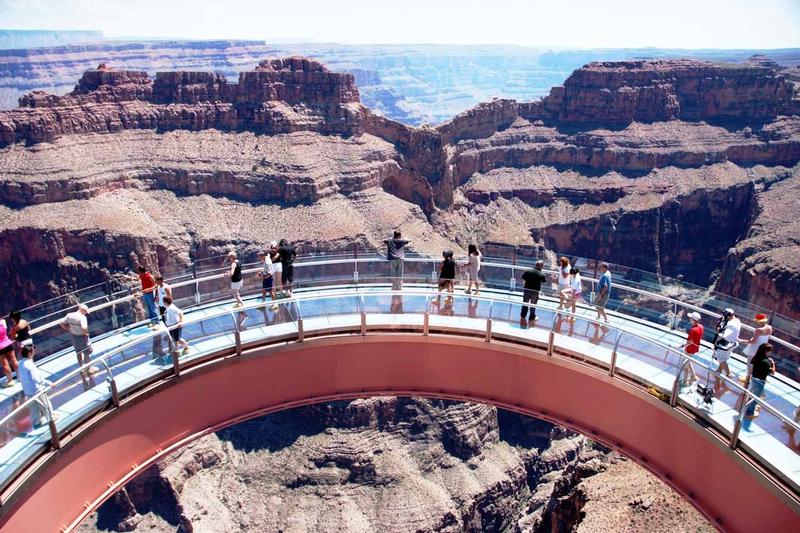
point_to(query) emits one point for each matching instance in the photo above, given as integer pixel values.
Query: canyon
(395, 464)
(683, 167)
(663, 165)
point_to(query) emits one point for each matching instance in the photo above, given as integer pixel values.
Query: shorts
(277, 267)
(288, 273)
(601, 301)
(266, 283)
(236, 285)
(445, 283)
(176, 334)
(722, 355)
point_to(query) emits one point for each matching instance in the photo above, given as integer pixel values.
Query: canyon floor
(395, 464)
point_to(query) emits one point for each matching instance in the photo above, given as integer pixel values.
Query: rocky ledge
(390, 464)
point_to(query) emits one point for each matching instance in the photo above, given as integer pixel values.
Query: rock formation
(390, 464)
(655, 164)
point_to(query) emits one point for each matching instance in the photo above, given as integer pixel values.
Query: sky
(554, 23)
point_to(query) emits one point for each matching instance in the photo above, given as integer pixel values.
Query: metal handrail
(298, 299)
(419, 259)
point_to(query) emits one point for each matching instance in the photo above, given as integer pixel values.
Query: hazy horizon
(570, 24)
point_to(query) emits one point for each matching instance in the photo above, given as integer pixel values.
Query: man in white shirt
(173, 318)
(77, 325)
(727, 340)
(33, 383)
(266, 275)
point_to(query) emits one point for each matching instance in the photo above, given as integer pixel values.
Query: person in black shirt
(287, 253)
(447, 273)
(533, 279)
(763, 366)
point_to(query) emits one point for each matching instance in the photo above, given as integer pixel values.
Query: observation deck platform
(635, 350)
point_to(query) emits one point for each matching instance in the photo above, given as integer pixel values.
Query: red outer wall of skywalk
(715, 479)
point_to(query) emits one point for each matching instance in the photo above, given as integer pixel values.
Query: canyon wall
(657, 164)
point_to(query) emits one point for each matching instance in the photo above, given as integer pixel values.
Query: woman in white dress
(563, 280)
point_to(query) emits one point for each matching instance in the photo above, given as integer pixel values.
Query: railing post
(114, 319)
(674, 323)
(551, 338)
(488, 330)
(363, 322)
(613, 366)
(737, 426)
(512, 282)
(196, 293)
(300, 333)
(55, 439)
(673, 399)
(112, 384)
(173, 351)
(426, 323)
(355, 263)
(238, 339)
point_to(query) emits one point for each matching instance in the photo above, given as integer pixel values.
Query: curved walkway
(632, 349)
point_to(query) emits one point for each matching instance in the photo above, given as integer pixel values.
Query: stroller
(706, 391)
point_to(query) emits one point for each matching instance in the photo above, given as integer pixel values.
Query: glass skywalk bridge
(351, 294)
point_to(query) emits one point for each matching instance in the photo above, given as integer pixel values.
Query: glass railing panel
(651, 363)
(771, 437)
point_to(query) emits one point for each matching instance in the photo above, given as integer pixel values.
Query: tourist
(573, 292)
(288, 254)
(235, 275)
(532, 279)
(32, 384)
(447, 271)
(603, 292)
(692, 345)
(395, 253)
(763, 366)
(7, 355)
(20, 333)
(148, 295)
(726, 340)
(173, 318)
(163, 290)
(266, 275)
(277, 268)
(760, 336)
(474, 258)
(563, 280)
(77, 325)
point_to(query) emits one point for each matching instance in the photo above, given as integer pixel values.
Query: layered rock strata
(656, 164)
(387, 464)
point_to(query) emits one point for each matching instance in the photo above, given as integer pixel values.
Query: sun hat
(761, 318)
(694, 315)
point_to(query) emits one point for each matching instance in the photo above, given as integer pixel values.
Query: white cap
(694, 315)
(728, 311)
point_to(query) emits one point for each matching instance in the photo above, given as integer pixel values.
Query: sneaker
(93, 370)
(7, 384)
(237, 305)
(185, 351)
(274, 307)
(468, 291)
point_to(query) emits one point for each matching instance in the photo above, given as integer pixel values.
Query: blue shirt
(605, 281)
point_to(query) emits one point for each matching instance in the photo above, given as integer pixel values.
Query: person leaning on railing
(148, 295)
(77, 324)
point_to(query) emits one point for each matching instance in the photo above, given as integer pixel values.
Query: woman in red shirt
(692, 345)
